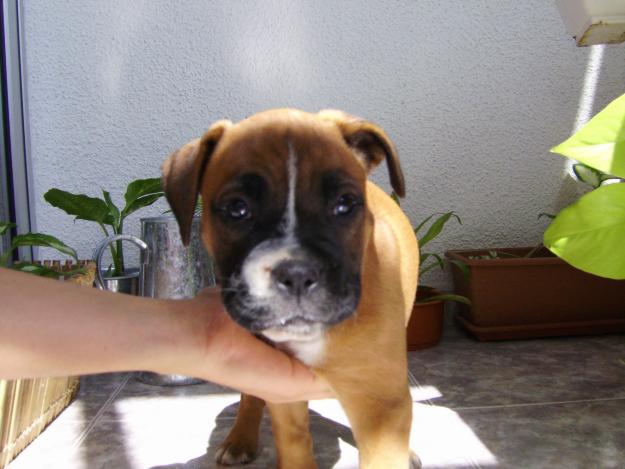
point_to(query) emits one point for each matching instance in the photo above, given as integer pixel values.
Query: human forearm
(48, 328)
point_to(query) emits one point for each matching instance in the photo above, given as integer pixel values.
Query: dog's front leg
(241, 444)
(291, 433)
(381, 428)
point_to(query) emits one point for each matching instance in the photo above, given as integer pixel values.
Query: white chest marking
(308, 348)
(310, 352)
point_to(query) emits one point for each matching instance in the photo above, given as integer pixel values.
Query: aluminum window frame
(16, 196)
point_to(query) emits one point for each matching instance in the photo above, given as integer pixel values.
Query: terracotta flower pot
(425, 326)
(517, 297)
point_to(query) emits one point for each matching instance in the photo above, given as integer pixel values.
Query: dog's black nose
(295, 277)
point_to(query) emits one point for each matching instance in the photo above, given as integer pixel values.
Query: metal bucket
(129, 283)
(168, 270)
(174, 271)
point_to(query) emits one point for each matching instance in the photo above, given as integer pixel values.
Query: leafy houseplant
(36, 239)
(590, 233)
(425, 326)
(139, 193)
(519, 296)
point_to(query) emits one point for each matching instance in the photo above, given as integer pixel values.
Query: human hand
(225, 353)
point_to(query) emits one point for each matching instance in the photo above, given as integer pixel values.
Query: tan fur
(365, 357)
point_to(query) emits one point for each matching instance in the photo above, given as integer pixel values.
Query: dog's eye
(344, 205)
(238, 209)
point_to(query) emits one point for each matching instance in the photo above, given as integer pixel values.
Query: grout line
(539, 404)
(413, 381)
(100, 412)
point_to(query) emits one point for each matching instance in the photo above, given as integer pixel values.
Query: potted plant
(529, 292)
(514, 296)
(41, 240)
(139, 193)
(425, 326)
(590, 233)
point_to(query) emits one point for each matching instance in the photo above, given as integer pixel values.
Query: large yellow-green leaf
(590, 234)
(600, 144)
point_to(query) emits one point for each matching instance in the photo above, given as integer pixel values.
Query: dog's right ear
(182, 175)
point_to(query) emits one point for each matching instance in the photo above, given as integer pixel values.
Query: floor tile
(578, 435)
(468, 373)
(94, 393)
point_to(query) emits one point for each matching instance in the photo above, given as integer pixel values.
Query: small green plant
(36, 239)
(139, 193)
(536, 251)
(590, 233)
(429, 260)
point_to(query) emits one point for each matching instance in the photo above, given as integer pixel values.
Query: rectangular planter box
(516, 297)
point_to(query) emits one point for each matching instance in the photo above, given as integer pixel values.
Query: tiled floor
(557, 403)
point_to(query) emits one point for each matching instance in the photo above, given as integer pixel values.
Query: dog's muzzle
(296, 279)
(289, 293)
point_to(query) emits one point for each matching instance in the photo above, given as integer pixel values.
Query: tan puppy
(316, 260)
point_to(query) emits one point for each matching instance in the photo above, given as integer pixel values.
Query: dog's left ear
(370, 144)
(182, 175)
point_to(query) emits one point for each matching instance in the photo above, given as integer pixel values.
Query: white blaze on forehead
(257, 268)
(290, 217)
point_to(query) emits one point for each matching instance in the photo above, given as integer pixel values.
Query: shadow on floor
(325, 433)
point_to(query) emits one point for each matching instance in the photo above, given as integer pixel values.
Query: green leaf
(80, 205)
(446, 297)
(140, 203)
(141, 193)
(463, 267)
(6, 226)
(41, 270)
(600, 144)
(395, 197)
(588, 175)
(45, 271)
(423, 223)
(436, 227)
(44, 240)
(113, 210)
(438, 262)
(590, 233)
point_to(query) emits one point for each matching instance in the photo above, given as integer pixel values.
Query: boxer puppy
(313, 258)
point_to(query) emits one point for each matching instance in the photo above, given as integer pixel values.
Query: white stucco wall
(474, 93)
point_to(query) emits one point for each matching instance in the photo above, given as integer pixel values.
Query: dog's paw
(231, 454)
(415, 462)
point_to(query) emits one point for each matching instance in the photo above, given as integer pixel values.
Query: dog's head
(284, 214)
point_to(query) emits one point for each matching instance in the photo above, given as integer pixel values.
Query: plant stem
(533, 251)
(116, 267)
(4, 259)
(120, 249)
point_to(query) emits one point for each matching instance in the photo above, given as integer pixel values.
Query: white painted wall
(474, 93)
